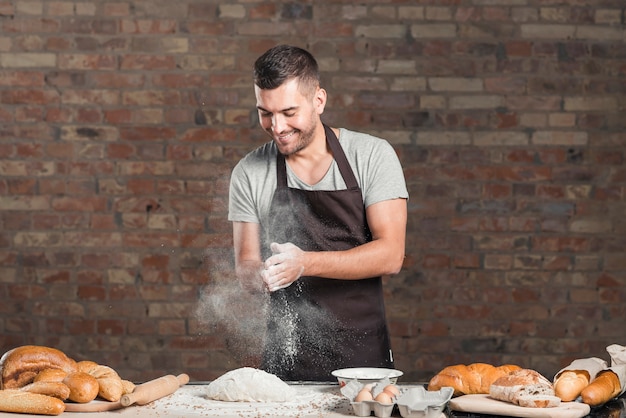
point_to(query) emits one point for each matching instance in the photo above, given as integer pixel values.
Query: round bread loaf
(19, 366)
(83, 387)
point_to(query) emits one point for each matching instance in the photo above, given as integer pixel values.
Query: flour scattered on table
(249, 385)
(308, 401)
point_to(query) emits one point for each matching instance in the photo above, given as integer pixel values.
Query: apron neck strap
(338, 155)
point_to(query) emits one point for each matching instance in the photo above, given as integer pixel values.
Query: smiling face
(290, 114)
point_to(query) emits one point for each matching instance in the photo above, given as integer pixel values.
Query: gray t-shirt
(373, 161)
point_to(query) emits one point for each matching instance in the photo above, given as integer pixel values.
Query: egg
(392, 390)
(383, 397)
(363, 395)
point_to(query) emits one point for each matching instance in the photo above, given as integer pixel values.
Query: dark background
(120, 122)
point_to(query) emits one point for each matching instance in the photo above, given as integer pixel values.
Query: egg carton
(418, 402)
(365, 408)
(415, 402)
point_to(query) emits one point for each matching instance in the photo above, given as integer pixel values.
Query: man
(319, 215)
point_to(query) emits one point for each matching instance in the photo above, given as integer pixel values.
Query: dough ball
(248, 384)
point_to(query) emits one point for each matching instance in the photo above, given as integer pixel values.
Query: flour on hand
(249, 385)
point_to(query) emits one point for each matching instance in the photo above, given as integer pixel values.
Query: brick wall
(121, 120)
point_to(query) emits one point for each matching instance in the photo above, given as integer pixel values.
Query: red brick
(467, 261)
(263, 11)
(518, 48)
(110, 327)
(175, 81)
(146, 26)
(81, 326)
(29, 97)
(92, 204)
(140, 186)
(147, 62)
(436, 261)
(92, 293)
(147, 133)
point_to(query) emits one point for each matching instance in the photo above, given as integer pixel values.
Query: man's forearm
(248, 274)
(376, 258)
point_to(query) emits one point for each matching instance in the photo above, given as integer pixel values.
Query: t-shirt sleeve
(385, 180)
(241, 206)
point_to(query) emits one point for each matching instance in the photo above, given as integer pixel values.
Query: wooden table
(323, 400)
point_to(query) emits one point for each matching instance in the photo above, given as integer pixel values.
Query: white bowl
(366, 375)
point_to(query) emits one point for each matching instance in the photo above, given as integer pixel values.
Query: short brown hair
(285, 62)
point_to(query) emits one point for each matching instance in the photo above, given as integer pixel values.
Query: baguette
(20, 365)
(17, 401)
(602, 389)
(475, 378)
(57, 390)
(570, 383)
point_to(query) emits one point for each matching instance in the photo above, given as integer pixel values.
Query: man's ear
(319, 100)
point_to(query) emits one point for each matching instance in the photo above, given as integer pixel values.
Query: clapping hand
(284, 267)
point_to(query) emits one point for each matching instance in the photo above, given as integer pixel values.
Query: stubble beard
(305, 137)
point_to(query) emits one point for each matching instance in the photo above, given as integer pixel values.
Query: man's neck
(311, 163)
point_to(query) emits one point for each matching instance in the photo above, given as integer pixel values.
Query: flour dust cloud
(249, 322)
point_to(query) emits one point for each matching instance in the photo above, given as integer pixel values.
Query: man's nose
(278, 123)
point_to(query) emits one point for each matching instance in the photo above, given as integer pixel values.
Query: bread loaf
(569, 384)
(524, 387)
(83, 387)
(20, 365)
(603, 388)
(538, 401)
(129, 387)
(17, 401)
(111, 385)
(475, 378)
(50, 375)
(57, 390)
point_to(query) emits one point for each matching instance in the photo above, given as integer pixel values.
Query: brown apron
(317, 325)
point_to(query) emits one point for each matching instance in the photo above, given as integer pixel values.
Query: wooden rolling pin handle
(154, 389)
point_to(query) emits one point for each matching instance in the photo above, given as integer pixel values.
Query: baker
(319, 215)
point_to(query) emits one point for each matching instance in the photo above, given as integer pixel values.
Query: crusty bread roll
(570, 383)
(602, 389)
(20, 365)
(524, 387)
(83, 387)
(55, 389)
(111, 385)
(86, 365)
(128, 386)
(17, 401)
(475, 378)
(50, 375)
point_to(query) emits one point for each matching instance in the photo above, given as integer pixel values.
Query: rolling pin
(154, 389)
